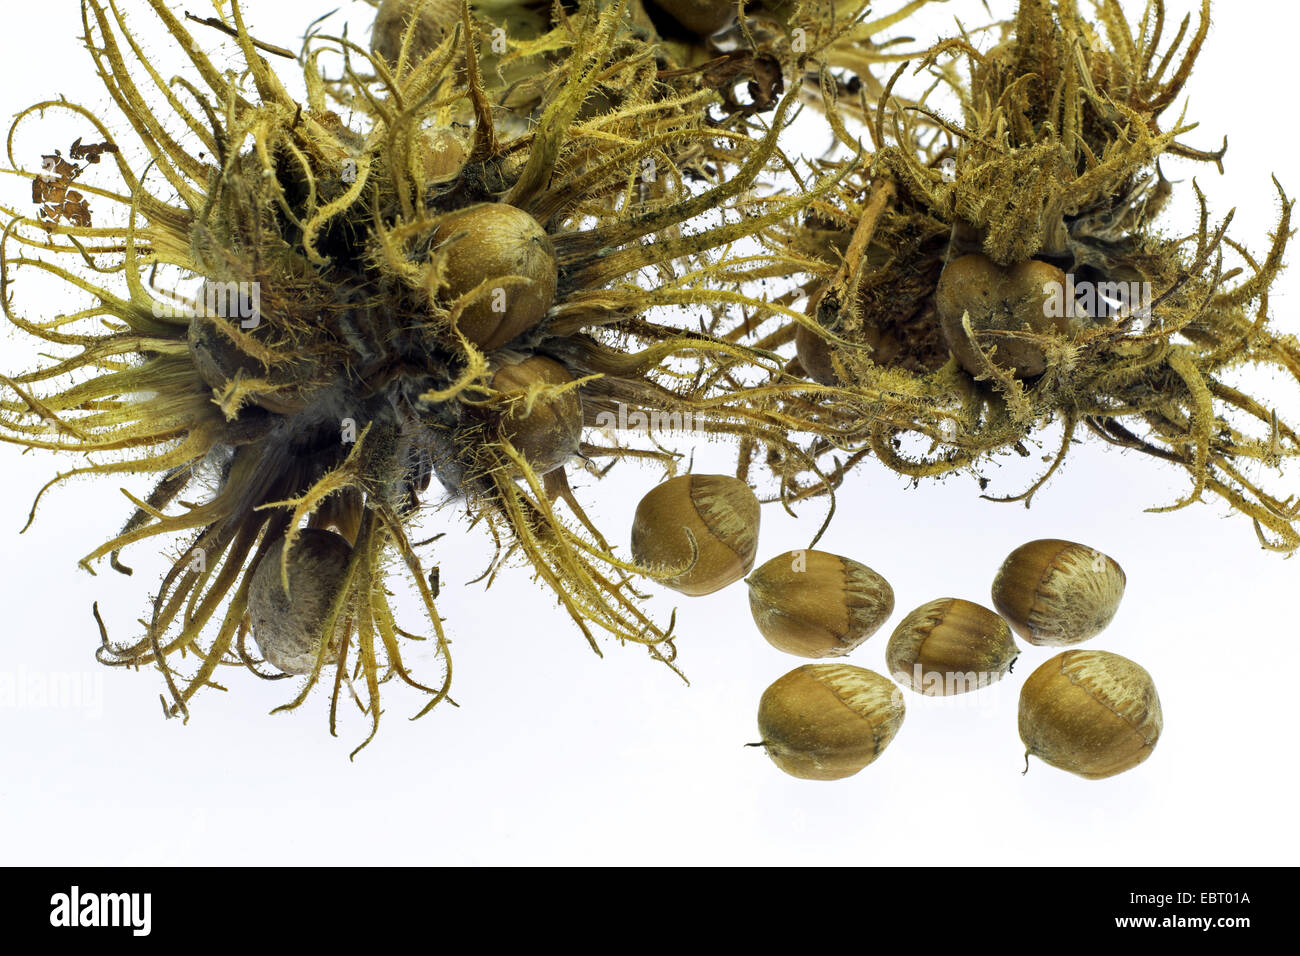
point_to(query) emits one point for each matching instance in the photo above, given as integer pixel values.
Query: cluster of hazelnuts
(1090, 712)
(529, 408)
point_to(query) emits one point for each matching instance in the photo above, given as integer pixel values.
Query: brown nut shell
(495, 242)
(1092, 713)
(442, 154)
(816, 604)
(697, 533)
(1056, 593)
(545, 428)
(1004, 304)
(950, 646)
(287, 627)
(814, 353)
(432, 19)
(828, 721)
(702, 17)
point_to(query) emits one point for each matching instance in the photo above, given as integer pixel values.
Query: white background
(557, 755)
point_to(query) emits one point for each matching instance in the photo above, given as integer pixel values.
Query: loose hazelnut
(950, 646)
(1092, 713)
(1057, 593)
(698, 532)
(816, 604)
(828, 721)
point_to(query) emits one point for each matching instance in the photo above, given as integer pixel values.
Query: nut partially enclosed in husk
(1008, 308)
(287, 627)
(221, 363)
(432, 19)
(950, 646)
(1057, 593)
(701, 17)
(817, 604)
(815, 356)
(828, 721)
(545, 427)
(502, 256)
(1092, 713)
(697, 533)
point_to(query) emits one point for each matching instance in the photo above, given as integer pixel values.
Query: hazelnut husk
(1092, 713)
(545, 428)
(828, 721)
(950, 646)
(494, 242)
(816, 604)
(1004, 304)
(216, 358)
(219, 362)
(341, 511)
(1056, 593)
(287, 627)
(697, 533)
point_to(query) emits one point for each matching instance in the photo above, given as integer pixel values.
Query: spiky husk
(359, 332)
(1056, 158)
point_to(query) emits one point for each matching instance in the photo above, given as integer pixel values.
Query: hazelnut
(1092, 713)
(287, 627)
(816, 604)
(432, 19)
(545, 428)
(828, 721)
(701, 17)
(496, 241)
(1008, 308)
(442, 155)
(1057, 593)
(697, 533)
(814, 353)
(950, 646)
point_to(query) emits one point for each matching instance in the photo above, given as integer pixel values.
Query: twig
(231, 32)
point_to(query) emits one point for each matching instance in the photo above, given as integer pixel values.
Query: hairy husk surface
(357, 330)
(1055, 159)
(623, 141)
